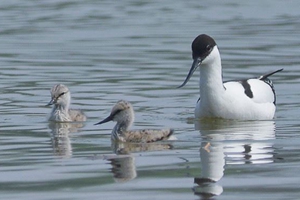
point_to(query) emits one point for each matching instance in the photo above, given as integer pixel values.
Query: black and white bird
(247, 99)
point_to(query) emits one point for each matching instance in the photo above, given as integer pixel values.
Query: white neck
(211, 82)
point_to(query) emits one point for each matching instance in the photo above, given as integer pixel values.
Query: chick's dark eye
(62, 94)
(117, 111)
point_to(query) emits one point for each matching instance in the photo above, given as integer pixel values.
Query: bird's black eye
(61, 94)
(116, 112)
(208, 47)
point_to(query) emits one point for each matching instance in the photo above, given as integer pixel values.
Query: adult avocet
(247, 99)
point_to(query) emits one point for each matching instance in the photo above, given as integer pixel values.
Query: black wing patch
(247, 88)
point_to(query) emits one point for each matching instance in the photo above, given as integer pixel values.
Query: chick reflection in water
(60, 138)
(123, 114)
(123, 168)
(61, 143)
(123, 163)
(61, 98)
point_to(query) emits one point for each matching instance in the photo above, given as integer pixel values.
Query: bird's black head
(202, 46)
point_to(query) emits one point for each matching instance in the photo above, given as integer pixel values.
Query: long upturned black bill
(195, 65)
(107, 119)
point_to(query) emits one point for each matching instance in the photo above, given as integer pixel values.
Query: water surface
(140, 51)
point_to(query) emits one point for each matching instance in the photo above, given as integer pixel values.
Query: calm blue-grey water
(140, 51)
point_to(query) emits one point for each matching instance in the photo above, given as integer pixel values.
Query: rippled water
(140, 51)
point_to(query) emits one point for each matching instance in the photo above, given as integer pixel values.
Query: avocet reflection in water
(226, 143)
